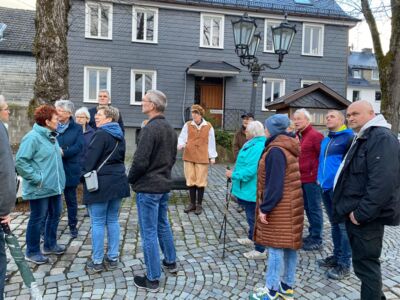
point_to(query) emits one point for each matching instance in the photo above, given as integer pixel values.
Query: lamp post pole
(255, 74)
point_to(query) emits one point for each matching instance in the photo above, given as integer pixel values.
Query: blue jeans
(341, 244)
(72, 205)
(250, 211)
(313, 208)
(45, 211)
(278, 257)
(155, 230)
(3, 263)
(102, 215)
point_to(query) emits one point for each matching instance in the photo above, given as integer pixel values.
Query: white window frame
(153, 73)
(143, 9)
(267, 24)
(321, 39)
(221, 31)
(302, 82)
(358, 72)
(282, 91)
(87, 20)
(375, 72)
(86, 83)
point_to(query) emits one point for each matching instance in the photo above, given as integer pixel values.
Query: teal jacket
(40, 164)
(244, 177)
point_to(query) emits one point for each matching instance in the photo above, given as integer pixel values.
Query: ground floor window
(95, 79)
(141, 81)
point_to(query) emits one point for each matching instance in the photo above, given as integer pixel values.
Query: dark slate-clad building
(186, 49)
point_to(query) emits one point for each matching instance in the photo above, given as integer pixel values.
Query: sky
(359, 37)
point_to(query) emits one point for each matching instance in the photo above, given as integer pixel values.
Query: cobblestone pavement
(203, 274)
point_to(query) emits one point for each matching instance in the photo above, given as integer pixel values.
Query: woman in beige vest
(197, 138)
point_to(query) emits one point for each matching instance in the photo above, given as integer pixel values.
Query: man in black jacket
(150, 178)
(367, 193)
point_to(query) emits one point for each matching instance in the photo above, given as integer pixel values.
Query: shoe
(111, 264)
(285, 291)
(142, 282)
(58, 250)
(199, 210)
(189, 208)
(170, 267)
(93, 268)
(254, 254)
(73, 232)
(38, 259)
(327, 262)
(239, 209)
(264, 294)
(312, 246)
(245, 242)
(338, 273)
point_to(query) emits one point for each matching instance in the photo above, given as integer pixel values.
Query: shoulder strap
(108, 157)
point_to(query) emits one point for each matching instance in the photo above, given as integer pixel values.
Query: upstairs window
(95, 79)
(212, 31)
(375, 75)
(268, 44)
(272, 90)
(98, 20)
(145, 25)
(141, 82)
(357, 73)
(313, 40)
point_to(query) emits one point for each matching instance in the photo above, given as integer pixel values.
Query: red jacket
(310, 141)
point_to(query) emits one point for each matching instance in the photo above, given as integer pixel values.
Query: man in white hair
(367, 193)
(310, 141)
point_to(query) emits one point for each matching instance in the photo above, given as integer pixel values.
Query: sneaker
(338, 273)
(245, 242)
(93, 268)
(170, 267)
(312, 246)
(254, 254)
(73, 232)
(239, 208)
(327, 262)
(264, 294)
(111, 264)
(57, 249)
(285, 291)
(38, 259)
(142, 282)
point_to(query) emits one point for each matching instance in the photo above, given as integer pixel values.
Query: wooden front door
(211, 96)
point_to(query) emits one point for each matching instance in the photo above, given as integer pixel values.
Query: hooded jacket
(368, 180)
(40, 164)
(333, 149)
(244, 177)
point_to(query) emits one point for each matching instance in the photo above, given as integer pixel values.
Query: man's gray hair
(305, 112)
(111, 112)
(83, 110)
(107, 92)
(2, 101)
(255, 128)
(66, 105)
(158, 98)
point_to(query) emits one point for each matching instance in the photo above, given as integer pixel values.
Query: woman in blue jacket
(244, 182)
(103, 204)
(39, 163)
(70, 138)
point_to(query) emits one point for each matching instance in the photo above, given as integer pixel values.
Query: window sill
(144, 42)
(215, 48)
(136, 103)
(98, 38)
(312, 55)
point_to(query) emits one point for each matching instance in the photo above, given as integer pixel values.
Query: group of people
(279, 172)
(283, 168)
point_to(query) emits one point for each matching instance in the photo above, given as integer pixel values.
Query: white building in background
(363, 78)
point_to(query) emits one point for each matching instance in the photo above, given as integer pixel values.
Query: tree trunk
(389, 64)
(51, 52)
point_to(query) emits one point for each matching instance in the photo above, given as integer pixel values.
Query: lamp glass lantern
(253, 46)
(282, 37)
(243, 31)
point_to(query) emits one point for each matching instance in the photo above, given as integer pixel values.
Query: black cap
(247, 115)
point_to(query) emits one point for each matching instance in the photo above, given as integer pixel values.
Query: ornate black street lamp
(247, 43)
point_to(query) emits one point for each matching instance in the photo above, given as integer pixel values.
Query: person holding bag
(105, 155)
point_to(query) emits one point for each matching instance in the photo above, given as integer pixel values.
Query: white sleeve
(212, 149)
(183, 136)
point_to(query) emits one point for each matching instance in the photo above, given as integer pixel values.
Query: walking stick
(223, 225)
(18, 256)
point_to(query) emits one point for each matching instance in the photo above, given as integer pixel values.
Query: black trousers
(366, 245)
(3, 264)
